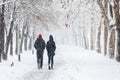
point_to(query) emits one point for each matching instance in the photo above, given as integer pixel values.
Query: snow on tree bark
(1, 35)
(117, 17)
(11, 45)
(98, 38)
(112, 44)
(2, 25)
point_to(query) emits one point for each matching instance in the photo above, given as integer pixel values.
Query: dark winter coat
(39, 44)
(51, 47)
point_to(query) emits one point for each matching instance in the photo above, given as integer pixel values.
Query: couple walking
(50, 47)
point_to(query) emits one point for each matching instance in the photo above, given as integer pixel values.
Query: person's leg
(37, 57)
(48, 61)
(38, 63)
(41, 61)
(38, 60)
(52, 61)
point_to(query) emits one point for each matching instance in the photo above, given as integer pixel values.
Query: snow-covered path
(71, 63)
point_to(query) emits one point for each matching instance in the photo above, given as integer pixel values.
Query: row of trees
(15, 28)
(20, 20)
(92, 24)
(111, 19)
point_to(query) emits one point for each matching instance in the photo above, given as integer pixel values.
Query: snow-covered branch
(7, 2)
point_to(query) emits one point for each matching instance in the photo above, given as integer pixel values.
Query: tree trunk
(0, 57)
(1, 36)
(117, 18)
(85, 40)
(26, 37)
(11, 45)
(25, 43)
(9, 37)
(92, 38)
(118, 44)
(112, 44)
(2, 25)
(8, 40)
(99, 39)
(30, 43)
(21, 44)
(33, 38)
(105, 35)
(17, 38)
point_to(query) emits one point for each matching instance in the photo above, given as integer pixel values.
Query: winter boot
(49, 67)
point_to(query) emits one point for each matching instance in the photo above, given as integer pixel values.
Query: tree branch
(7, 2)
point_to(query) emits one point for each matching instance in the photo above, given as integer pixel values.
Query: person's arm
(44, 45)
(35, 44)
(54, 46)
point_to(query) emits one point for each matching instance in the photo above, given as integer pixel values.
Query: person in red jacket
(39, 46)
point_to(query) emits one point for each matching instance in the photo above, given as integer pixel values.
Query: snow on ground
(71, 63)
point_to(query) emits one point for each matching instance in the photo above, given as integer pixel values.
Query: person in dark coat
(39, 46)
(51, 47)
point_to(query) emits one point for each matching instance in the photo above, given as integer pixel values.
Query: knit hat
(40, 36)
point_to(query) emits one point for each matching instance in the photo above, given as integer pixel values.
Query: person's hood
(50, 38)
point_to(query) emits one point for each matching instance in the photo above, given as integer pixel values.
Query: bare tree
(23, 36)
(103, 6)
(98, 38)
(117, 17)
(2, 25)
(9, 36)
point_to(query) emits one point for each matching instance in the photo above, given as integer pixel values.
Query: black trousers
(40, 58)
(51, 60)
